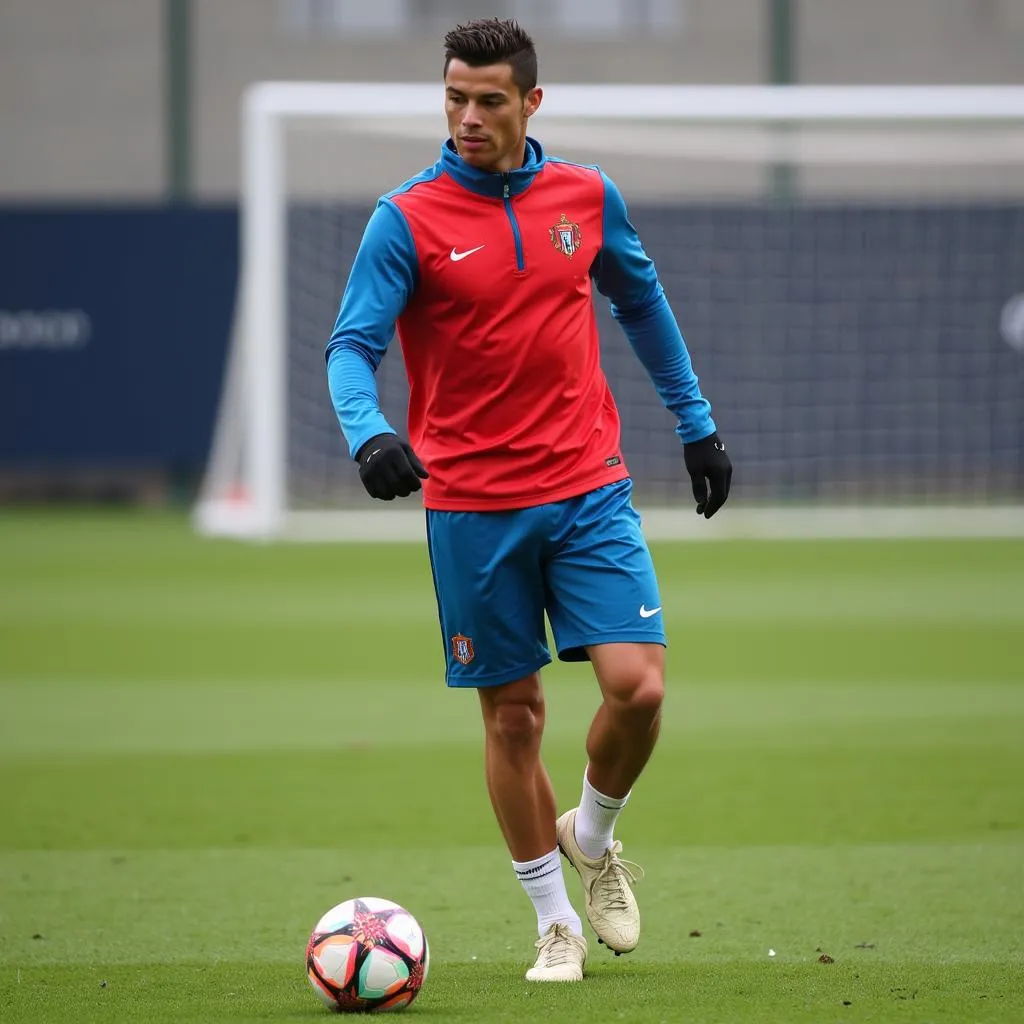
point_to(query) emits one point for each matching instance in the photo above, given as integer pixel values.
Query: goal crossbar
(742, 103)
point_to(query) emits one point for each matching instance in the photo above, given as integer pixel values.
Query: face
(487, 114)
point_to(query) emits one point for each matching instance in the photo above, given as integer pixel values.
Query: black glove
(389, 468)
(709, 467)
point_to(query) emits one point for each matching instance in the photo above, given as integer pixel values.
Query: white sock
(595, 819)
(545, 885)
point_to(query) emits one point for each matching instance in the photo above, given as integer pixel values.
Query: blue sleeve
(383, 277)
(625, 274)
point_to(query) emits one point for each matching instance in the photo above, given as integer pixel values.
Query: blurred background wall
(119, 171)
(83, 85)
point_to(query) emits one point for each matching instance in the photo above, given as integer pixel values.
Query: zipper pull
(508, 185)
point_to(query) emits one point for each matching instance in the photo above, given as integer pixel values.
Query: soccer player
(486, 263)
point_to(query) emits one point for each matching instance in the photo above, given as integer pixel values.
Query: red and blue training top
(488, 279)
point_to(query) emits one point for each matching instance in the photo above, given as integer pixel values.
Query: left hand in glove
(710, 473)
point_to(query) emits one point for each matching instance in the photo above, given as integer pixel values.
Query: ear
(532, 101)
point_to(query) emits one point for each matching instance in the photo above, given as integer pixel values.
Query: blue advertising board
(114, 325)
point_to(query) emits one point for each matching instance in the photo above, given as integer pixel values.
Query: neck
(514, 160)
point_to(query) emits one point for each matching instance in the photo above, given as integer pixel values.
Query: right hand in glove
(389, 468)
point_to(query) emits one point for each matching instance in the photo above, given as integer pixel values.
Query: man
(486, 263)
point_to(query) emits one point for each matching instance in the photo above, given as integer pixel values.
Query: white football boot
(562, 956)
(607, 884)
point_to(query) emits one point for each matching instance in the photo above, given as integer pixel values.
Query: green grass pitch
(204, 745)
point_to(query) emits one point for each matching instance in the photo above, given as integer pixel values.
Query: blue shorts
(583, 561)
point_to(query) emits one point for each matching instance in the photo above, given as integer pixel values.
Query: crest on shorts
(566, 236)
(462, 648)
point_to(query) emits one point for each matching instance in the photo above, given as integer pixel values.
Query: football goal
(846, 264)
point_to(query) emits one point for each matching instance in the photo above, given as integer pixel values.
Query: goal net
(846, 264)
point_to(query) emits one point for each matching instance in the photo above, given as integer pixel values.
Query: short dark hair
(494, 41)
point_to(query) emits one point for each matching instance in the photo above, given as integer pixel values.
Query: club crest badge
(566, 236)
(462, 649)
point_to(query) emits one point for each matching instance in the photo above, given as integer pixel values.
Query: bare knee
(514, 714)
(637, 696)
(517, 726)
(632, 678)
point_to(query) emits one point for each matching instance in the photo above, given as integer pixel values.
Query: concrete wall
(81, 99)
(912, 41)
(82, 81)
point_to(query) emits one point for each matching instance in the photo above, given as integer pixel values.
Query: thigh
(490, 594)
(601, 586)
(522, 693)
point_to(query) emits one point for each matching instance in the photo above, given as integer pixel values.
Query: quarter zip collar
(499, 185)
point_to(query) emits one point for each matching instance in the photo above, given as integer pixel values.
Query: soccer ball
(367, 954)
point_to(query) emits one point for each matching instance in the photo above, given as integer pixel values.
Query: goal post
(249, 488)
